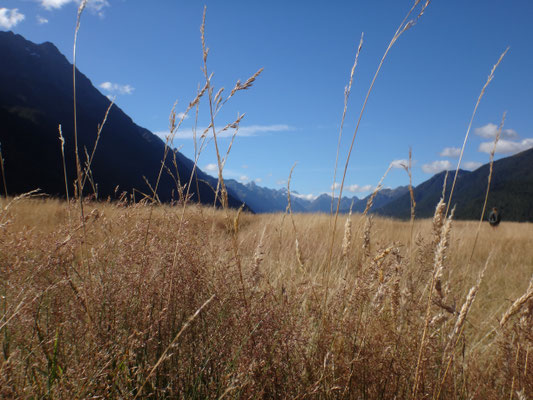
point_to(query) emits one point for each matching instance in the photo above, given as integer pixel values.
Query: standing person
(494, 217)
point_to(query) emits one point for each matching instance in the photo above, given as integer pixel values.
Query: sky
(148, 55)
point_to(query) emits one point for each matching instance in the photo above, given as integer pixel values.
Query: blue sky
(149, 55)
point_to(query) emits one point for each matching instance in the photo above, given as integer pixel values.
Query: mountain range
(262, 199)
(511, 191)
(36, 96)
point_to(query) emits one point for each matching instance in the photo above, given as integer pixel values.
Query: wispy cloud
(116, 88)
(95, 5)
(211, 167)
(353, 188)
(54, 4)
(437, 166)
(10, 17)
(471, 165)
(244, 131)
(403, 163)
(507, 146)
(244, 178)
(182, 116)
(490, 130)
(359, 188)
(258, 180)
(41, 20)
(253, 130)
(309, 197)
(452, 152)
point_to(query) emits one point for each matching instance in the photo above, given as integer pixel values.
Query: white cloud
(353, 188)
(309, 197)
(10, 18)
(359, 189)
(506, 146)
(471, 165)
(253, 130)
(182, 116)
(95, 5)
(281, 182)
(41, 20)
(453, 152)
(403, 163)
(117, 88)
(490, 131)
(211, 167)
(54, 4)
(244, 178)
(246, 131)
(258, 180)
(437, 166)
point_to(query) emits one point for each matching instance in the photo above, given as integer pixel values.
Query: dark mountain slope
(511, 191)
(383, 197)
(36, 96)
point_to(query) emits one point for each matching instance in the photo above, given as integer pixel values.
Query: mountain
(511, 191)
(265, 200)
(36, 96)
(382, 198)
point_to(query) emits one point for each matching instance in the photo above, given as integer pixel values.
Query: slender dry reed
(289, 211)
(79, 191)
(402, 28)
(3, 172)
(489, 80)
(347, 91)
(491, 163)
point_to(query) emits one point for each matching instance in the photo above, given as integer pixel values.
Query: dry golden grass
(100, 314)
(123, 300)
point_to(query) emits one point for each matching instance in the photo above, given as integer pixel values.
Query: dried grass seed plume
(518, 303)
(347, 91)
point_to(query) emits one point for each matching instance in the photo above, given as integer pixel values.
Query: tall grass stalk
(79, 191)
(3, 172)
(402, 28)
(489, 80)
(489, 179)
(347, 91)
(62, 141)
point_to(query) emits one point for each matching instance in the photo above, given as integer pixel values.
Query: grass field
(208, 303)
(124, 300)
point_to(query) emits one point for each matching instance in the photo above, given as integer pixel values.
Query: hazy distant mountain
(511, 191)
(36, 96)
(263, 200)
